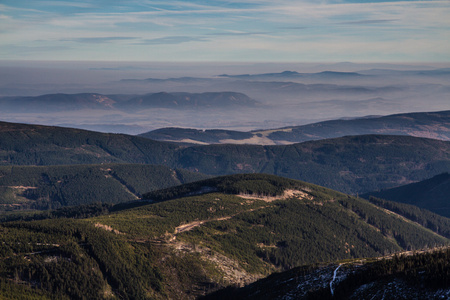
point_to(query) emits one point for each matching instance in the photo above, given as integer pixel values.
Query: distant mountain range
(73, 102)
(57, 102)
(428, 124)
(435, 72)
(352, 75)
(240, 102)
(189, 100)
(294, 75)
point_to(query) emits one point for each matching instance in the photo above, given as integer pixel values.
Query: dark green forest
(350, 164)
(432, 194)
(50, 187)
(255, 224)
(123, 217)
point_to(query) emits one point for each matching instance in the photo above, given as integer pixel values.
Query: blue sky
(241, 31)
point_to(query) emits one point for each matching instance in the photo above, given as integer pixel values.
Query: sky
(214, 30)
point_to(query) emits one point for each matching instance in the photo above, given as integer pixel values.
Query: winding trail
(189, 226)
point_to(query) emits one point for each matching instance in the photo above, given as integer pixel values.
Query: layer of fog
(284, 101)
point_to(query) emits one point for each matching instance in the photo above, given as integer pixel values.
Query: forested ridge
(431, 194)
(244, 228)
(350, 164)
(22, 144)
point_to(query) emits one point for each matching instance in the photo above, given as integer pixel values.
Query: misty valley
(224, 181)
(199, 96)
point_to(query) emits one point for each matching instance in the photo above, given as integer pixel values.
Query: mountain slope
(23, 144)
(226, 230)
(194, 136)
(432, 194)
(349, 164)
(286, 222)
(429, 124)
(43, 187)
(407, 275)
(434, 125)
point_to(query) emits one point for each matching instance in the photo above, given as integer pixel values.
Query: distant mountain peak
(289, 73)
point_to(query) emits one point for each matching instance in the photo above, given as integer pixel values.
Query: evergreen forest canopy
(431, 194)
(241, 229)
(349, 164)
(47, 187)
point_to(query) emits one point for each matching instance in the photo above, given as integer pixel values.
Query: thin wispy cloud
(66, 4)
(282, 29)
(98, 40)
(294, 27)
(364, 22)
(172, 40)
(238, 33)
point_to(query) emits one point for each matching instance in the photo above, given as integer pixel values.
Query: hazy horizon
(110, 48)
(285, 101)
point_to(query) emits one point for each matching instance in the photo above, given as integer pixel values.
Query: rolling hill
(23, 144)
(353, 165)
(198, 238)
(73, 102)
(434, 125)
(57, 102)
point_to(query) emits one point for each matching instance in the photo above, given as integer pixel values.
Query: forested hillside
(350, 164)
(228, 230)
(407, 275)
(46, 187)
(22, 144)
(432, 194)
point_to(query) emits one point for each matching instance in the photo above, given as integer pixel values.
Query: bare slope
(434, 125)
